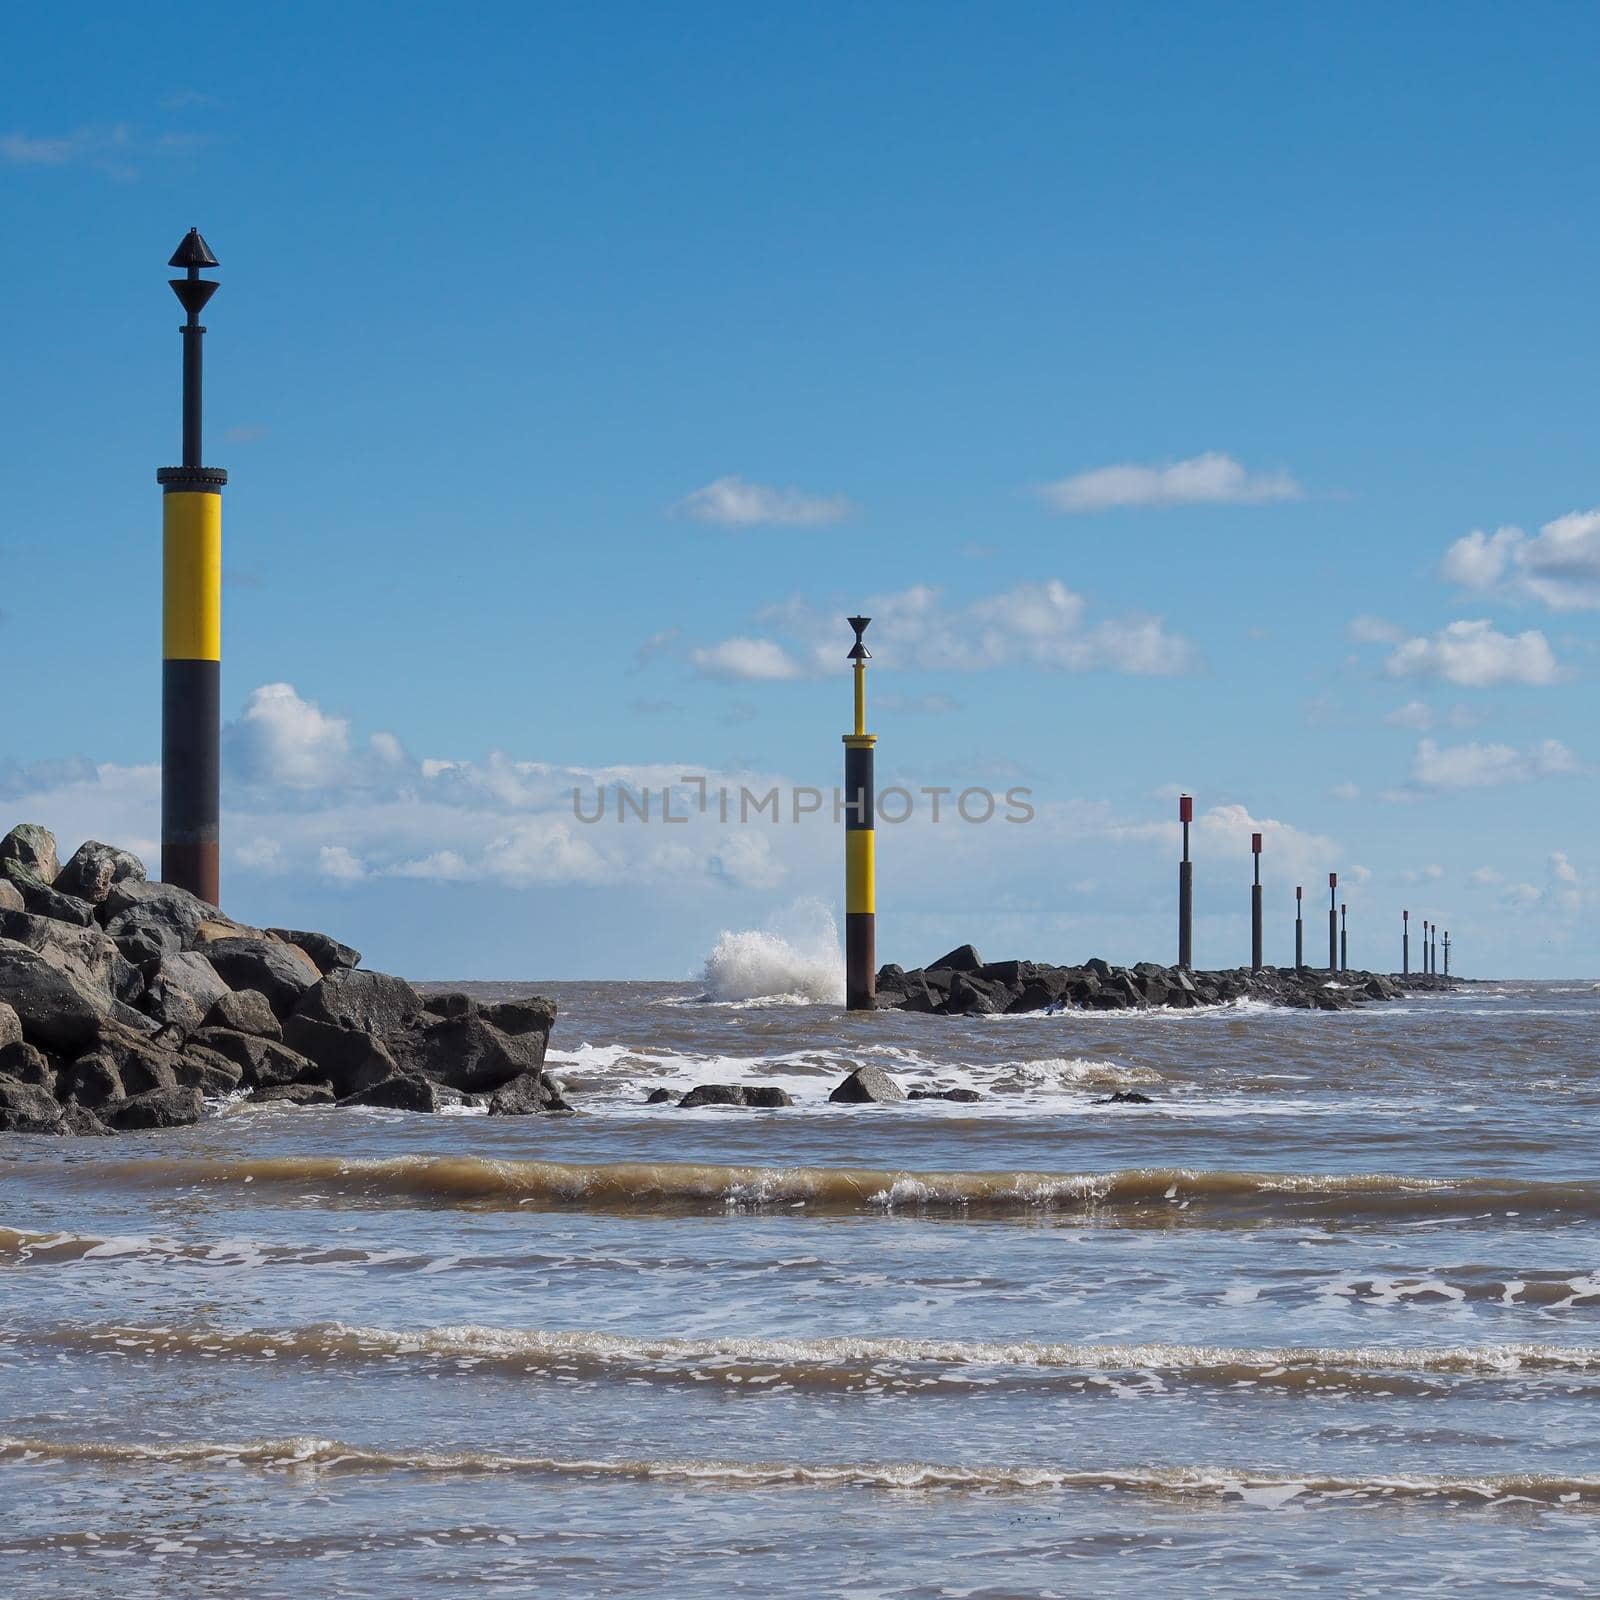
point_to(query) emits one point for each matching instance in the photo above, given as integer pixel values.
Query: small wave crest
(1263, 1489)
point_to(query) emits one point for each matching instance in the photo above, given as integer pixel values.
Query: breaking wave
(799, 963)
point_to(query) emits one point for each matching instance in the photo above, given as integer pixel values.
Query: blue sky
(577, 369)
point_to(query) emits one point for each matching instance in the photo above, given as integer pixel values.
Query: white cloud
(1431, 873)
(1043, 625)
(338, 864)
(734, 503)
(1420, 717)
(1561, 867)
(282, 739)
(1521, 895)
(1473, 654)
(1559, 566)
(745, 661)
(1367, 629)
(1212, 478)
(1484, 877)
(1488, 766)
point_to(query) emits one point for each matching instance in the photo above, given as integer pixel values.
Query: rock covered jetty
(963, 984)
(126, 1004)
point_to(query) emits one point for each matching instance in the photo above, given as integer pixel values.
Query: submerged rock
(753, 1097)
(867, 1086)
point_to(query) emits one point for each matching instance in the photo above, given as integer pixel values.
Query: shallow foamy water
(1321, 1317)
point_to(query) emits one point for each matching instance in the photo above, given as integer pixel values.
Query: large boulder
(867, 1086)
(149, 919)
(350, 1059)
(282, 972)
(404, 1091)
(11, 897)
(245, 1011)
(372, 1001)
(158, 1108)
(10, 1026)
(962, 959)
(212, 1074)
(27, 1108)
(27, 1063)
(32, 847)
(57, 1009)
(527, 1094)
(95, 868)
(468, 1053)
(327, 952)
(293, 1094)
(263, 1061)
(140, 1063)
(91, 1081)
(44, 900)
(751, 1096)
(535, 1014)
(84, 952)
(188, 973)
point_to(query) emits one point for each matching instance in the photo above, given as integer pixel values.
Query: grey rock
(32, 847)
(282, 972)
(57, 1009)
(27, 1063)
(658, 1097)
(263, 1061)
(328, 953)
(44, 900)
(176, 1107)
(94, 868)
(536, 1014)
(213, 1074)
(867, 1086)
(753, 1097)
(91, 1081)
(172, 1011)
(526, 1094)
(1126, 1097)
(405, 1091)
(80, 1122)
(10, 1026)
(245, 1011)
(372, 1001)
(11, 897)
(468, 1053)
(162, 914)
(190, 974)
(27, 1108)
(293, 1094)
(451, 1003)
(350, 1058)
(82, 952)
(141, 1063)
(962, 959)
(962, 1096)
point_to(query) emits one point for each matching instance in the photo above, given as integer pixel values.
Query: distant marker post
(1344, 939)
(191, 674)
(1186, 888)
(1447, 952)
(1255, 906)
(1299, 928)
(1333, 922)
(1405, 944)
(860, 900)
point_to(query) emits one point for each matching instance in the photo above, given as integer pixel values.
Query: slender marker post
(1255, 906)
(1405, 944)
(860, 901)
(1427, 951)
(1333, 922)
(1344, 939)
(1186, 889)
(191, 674)
(1299, 928)
(1447, 952)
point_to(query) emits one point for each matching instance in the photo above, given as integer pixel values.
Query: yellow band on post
(192, 577)
(859, 888)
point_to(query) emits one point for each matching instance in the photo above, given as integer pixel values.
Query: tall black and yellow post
(1333, 922)
(1405, 944)
(1344, 938)
(1299, 928)
(860, 901)
(1255, 906)
(1186, 888)
(191, 697)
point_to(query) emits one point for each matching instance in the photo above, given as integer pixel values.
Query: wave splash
(798, 960)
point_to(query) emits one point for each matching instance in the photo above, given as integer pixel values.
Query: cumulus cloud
(742, 660)
(1488, 766)
(1212, 478)
(734, 503)
(281, 739)
(1474, 654)
(1559, 566)
(1043, 625)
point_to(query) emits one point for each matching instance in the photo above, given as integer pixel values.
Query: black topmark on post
(1186, 888)
(191, 699)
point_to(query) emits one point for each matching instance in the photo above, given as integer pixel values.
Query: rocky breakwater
(963, 984)
(127, 1004)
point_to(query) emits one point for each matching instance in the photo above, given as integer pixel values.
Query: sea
(1321, 1318)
